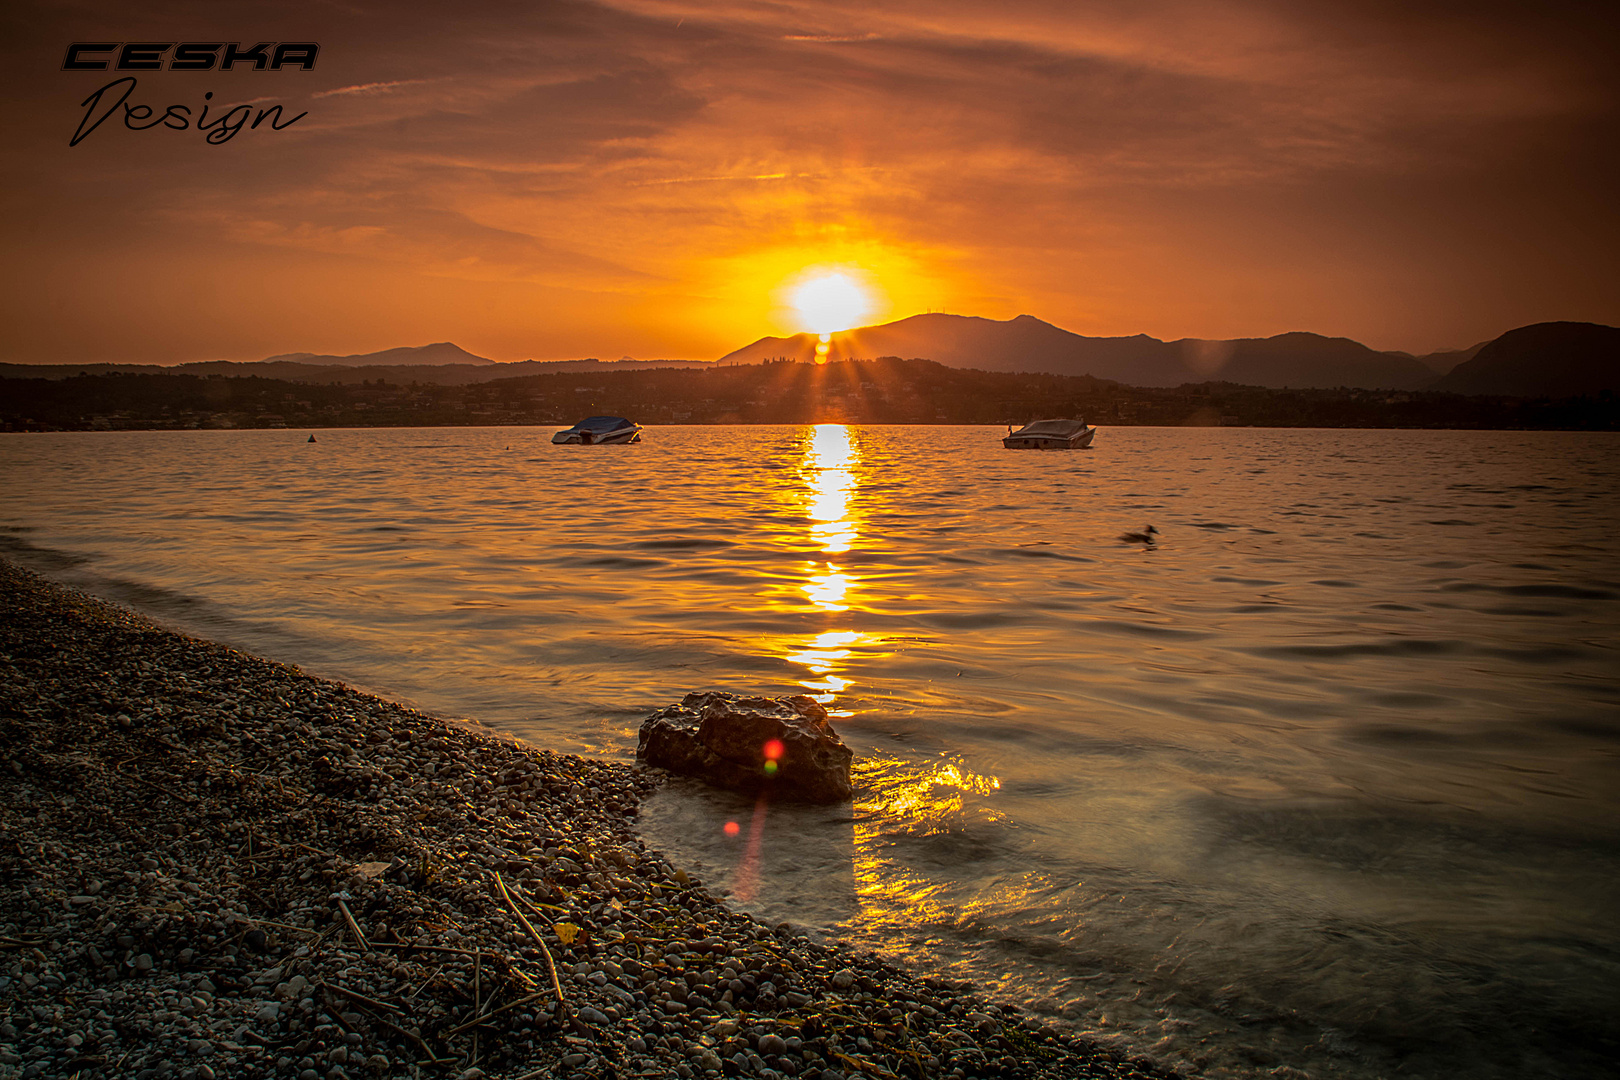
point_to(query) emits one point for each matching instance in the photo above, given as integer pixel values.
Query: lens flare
(747, 878)
(773, 750)
(732, 828)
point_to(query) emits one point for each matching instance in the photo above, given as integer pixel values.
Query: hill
(1550, 359)
(439, 353)
(1027, 344)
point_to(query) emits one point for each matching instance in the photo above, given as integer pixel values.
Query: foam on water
(1325, 777)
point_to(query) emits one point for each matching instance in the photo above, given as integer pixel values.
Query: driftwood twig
(361, 998)
(354, 927)
(551, 965)
(493, 1013)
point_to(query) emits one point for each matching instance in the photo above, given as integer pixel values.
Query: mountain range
(1553, 359)
(1027, 344)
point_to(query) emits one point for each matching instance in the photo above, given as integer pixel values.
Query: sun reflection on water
(931, 797)
(821, 656)
(902, 803)
(830, 475)
(830, 467)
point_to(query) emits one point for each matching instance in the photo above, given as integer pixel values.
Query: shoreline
(219, 866)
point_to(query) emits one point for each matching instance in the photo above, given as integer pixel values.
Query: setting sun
(829, 303)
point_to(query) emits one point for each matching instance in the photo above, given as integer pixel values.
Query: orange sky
(555, 180)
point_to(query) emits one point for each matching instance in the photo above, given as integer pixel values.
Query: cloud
(1118, 166)
(368, 88)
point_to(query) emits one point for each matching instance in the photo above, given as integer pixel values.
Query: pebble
(186, 884)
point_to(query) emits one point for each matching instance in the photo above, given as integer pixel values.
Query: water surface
(1325, 777)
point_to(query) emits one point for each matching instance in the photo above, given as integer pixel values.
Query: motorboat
(1050, 435)
(598, 431)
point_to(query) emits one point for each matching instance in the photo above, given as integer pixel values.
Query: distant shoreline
(892, 391)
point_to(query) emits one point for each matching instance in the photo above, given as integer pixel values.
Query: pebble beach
(219, 866)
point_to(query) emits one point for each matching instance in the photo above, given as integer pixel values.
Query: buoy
(312, 438)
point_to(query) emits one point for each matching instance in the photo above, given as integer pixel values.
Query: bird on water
(1144, 537)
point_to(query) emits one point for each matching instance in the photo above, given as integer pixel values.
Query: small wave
(1037, 553)
(39, 557)
(1452, 521)
(681, 544)
(1136, 629)
(1546, 654)
(612, 560)
(1402, 735)
(1407, 700)
(1564, 592)
(1604, 730)
(1400, 648)
(971, 621)
(1212, 525)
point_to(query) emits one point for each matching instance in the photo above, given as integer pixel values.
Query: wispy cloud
(370, 88)
(831, 38)
(724, 179)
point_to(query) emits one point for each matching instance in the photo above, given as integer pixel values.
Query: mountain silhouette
(441, 352)
(1027, 344)
(1550, 359)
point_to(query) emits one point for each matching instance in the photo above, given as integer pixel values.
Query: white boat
(1050, 435)
(599, 431)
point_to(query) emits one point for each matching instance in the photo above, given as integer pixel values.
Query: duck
(1144, 537)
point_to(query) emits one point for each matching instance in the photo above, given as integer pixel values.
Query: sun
(828, 303)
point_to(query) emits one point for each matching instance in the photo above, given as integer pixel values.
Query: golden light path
(830, 463)
(925, 796)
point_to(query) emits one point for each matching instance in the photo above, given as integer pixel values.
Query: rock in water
(781, 745)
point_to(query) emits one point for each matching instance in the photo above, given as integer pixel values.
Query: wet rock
(782, 745)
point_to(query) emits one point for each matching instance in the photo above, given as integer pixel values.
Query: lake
(1325, 777)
